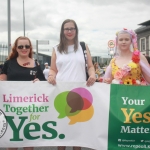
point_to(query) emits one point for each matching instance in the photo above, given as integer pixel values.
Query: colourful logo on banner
(75, 104)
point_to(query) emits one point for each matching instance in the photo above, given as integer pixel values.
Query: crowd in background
(99, 70)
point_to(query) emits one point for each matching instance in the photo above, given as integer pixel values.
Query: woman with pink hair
(129, 66)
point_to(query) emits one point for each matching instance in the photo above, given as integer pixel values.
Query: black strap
(37, 68)
(84, 53)
(83, 46)
(36, 63)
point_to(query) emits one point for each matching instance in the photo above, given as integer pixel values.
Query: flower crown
(136, 53)
(133, 37)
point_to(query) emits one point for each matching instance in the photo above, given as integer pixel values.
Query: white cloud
(97, 20)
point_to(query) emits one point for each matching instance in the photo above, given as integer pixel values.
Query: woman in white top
(67, 62)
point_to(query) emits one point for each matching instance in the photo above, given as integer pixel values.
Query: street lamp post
(111, 53)
(9, 26)
(111, 45)
(23, 19)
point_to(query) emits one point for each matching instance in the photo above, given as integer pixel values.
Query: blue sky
(97, 20)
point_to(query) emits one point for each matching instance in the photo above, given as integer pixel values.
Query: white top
(70, 66)
(46, 73)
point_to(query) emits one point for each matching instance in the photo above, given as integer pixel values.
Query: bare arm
(53, 70)
(145, 68)
(108, 74)
(91, 70)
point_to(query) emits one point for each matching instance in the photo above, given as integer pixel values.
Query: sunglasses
(23, 46)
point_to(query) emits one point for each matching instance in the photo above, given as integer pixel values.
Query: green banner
(129, 118)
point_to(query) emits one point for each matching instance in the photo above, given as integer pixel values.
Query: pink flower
(137, 53)
(143, 83)
(126, 68)
(118, 75)
(124, 72)
(136, 56)
(121, 82)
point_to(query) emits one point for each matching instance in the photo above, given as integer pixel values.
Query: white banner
(67, 114)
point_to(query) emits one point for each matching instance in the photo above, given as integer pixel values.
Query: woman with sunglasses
(68, 63)
(20, 65)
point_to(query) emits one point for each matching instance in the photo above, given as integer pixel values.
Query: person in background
(20, 66)
(46, 65)
(97, 71)
(67, 62)
(46, 70)
(130, 68)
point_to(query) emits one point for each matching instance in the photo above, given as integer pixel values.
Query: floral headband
(133, 37)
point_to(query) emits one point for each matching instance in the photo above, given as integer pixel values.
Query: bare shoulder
(53, 53)
(142, 57)
(88, 50)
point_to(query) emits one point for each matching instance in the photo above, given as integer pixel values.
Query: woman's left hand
(91, 80)
(36, 79)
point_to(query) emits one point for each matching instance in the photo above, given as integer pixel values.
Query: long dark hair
(14, 53)
(63, 47)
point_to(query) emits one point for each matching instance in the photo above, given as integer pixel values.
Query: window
(143, 44)
(149, 43)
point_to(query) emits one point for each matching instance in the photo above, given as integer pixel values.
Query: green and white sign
(129, 117)
(101, 117)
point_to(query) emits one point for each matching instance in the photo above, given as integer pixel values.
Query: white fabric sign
(40, 114)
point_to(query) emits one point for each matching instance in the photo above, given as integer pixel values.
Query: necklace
(25, 64)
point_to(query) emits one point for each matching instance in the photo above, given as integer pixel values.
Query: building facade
(143, 37)
(100, 60)
(42, 59)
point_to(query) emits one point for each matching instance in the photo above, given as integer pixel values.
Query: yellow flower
(132, 65)
(128, 82)
(117, 33)
(134, 71)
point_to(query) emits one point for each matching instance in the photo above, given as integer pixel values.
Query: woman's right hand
(3, 77)
(51, 79)
(107, 80)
